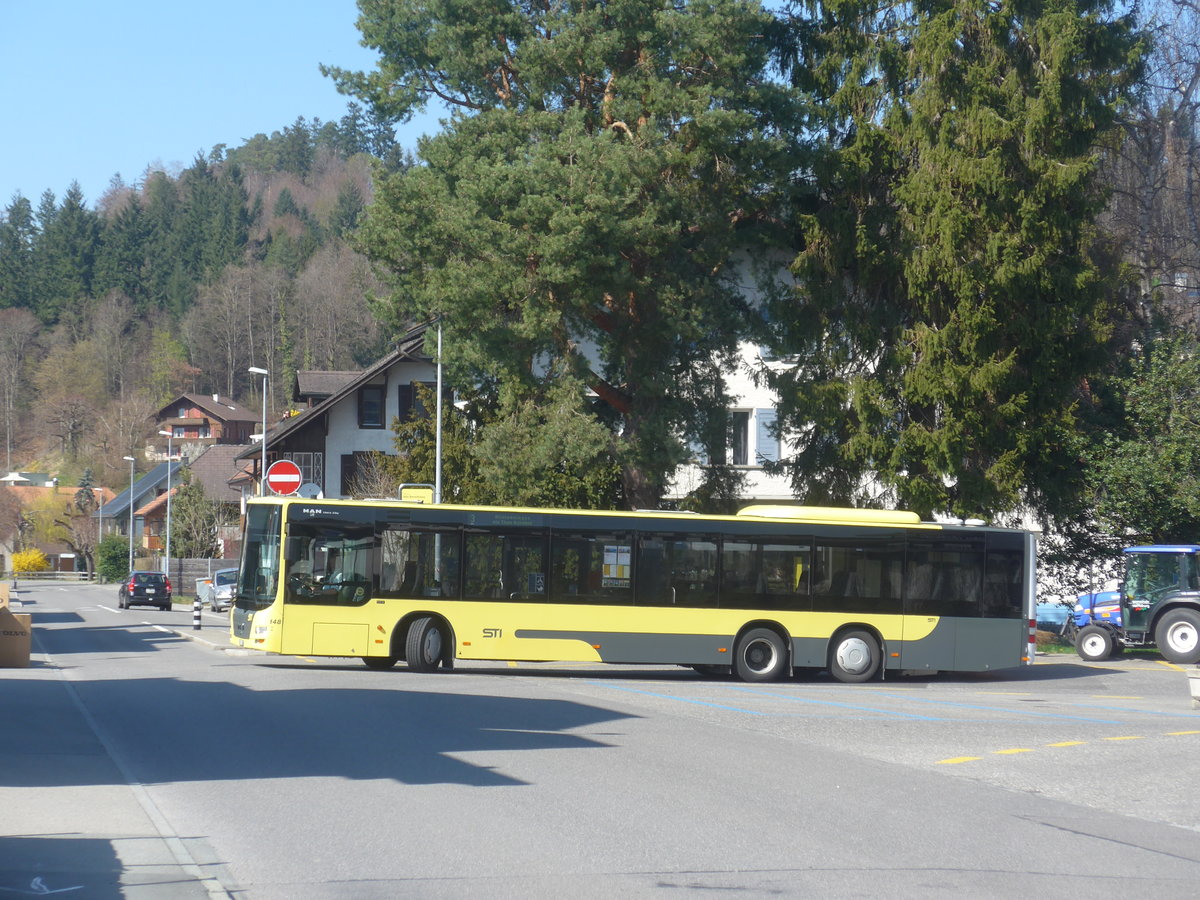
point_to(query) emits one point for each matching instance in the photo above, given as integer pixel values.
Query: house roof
(218, 407)
(319, 385)
(410, 347)
(215, 468)
(159, 502)
(147, 484)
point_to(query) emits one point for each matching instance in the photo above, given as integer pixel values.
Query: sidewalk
(71, 820)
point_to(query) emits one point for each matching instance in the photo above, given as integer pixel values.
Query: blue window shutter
(766, 441)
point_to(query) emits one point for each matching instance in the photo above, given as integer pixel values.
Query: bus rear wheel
(760, 656)
(1178, 636)
(426, 644)
(854, 657)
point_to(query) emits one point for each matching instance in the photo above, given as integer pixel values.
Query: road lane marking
(851, 706)
(1016, 712)
(677, 698)
(1057, 744)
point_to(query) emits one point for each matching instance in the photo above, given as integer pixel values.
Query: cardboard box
(3, 595)
(15, 634)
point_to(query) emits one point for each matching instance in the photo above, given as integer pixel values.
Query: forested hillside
(179, 282)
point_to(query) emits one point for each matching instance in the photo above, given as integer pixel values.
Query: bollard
(196, 614)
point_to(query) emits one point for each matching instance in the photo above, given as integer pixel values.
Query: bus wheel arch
(428, 642)
(760, 652)
(855, 654)
(1177, 635)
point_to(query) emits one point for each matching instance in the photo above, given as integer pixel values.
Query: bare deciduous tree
(331, 321)
(1154, 172)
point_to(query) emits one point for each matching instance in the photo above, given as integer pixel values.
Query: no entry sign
(283, 477)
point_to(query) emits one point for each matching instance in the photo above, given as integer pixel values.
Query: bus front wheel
(761, 656)
(425, 645)
(1178, 636)
(854, 657)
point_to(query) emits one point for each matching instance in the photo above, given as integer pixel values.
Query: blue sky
(90, 89)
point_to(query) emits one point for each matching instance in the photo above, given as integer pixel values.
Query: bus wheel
(760, 656)
(423, 650)
(854, 657)
(379, 662)
(1094, 643)
(1178, 636)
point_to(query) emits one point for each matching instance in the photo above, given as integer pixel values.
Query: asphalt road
(139, 758)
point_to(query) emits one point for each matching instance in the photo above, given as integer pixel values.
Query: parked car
(217, 591)
(145, 589)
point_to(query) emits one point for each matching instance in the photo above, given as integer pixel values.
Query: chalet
(346, 416)
(203, 420)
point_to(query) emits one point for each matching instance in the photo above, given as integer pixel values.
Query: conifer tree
(605, 162)
(950, 305)
(18, 236)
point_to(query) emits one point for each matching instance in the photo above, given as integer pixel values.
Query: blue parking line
(852, 706)
(615, 687)
(1145, 712)
(1016, 712)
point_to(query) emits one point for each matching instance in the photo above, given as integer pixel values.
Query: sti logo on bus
(493, 632)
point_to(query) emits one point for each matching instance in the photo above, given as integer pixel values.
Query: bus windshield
(257, 579)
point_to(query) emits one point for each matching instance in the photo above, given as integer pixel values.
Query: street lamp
(262, 476)
(168, 435)
(132, 462)
(437, 468)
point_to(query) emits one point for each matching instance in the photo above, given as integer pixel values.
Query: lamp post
(262, 475)
(437, 464)
(170, 460)
(132, 462)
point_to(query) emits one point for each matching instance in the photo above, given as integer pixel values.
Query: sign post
(284, 477)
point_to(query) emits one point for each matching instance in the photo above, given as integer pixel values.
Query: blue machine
(1158, 606)
(1101, 606)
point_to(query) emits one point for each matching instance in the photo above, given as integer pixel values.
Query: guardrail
(48, 576)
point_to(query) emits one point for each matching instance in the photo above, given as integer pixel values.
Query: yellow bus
(759, 594)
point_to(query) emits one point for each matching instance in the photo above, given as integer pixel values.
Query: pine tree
(950, 305)
(606, 163)
(66, 251)
(18, 236)
(121, 256)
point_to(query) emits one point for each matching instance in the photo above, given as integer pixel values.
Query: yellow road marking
(1163, 662)
(1012, 751)
(1115, 697)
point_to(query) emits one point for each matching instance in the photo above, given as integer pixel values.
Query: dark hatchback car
(145, 589)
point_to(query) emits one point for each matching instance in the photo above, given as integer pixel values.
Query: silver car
(218, 590)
